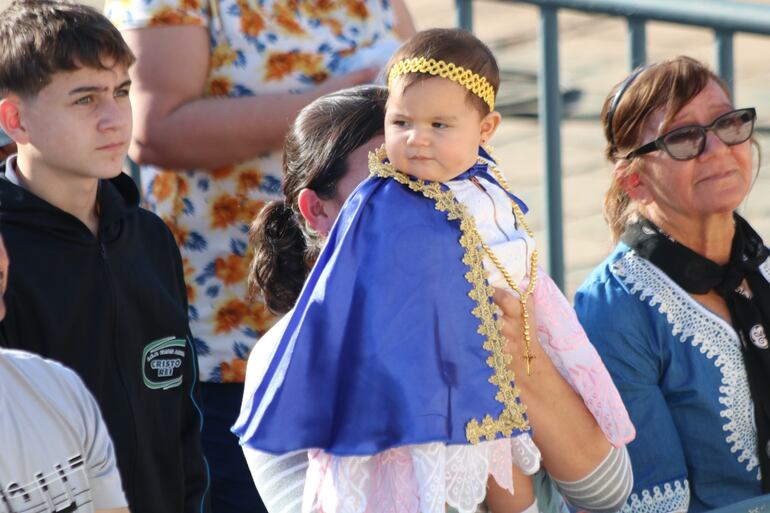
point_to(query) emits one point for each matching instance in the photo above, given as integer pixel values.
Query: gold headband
(473, 82)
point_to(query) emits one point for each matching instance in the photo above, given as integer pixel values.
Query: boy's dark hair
(39, 38)
(452, 45)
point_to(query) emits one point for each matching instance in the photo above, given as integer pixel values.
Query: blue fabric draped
(382, 346)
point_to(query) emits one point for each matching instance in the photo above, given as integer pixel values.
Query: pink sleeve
(565, 342)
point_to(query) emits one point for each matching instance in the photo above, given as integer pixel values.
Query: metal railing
(723, 17)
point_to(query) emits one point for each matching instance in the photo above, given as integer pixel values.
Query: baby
(391, 370)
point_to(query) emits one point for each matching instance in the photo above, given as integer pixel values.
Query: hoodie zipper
(112, 292)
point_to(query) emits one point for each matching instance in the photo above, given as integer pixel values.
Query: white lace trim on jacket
(712, 336)
(672, 499)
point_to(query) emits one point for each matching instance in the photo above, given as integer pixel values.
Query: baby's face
(432, 131)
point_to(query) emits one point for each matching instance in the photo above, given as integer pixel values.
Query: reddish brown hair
(667, 85)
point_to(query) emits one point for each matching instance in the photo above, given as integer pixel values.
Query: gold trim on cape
(512, 416)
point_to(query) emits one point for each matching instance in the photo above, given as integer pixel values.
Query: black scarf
(749, 311)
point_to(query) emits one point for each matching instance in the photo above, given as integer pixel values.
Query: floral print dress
(257, 47)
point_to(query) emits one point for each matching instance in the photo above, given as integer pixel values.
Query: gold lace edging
(512, 416)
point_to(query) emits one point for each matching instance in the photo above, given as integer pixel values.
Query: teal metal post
(637, 42)
(724, 58)
(734, 16)
(133, 170)
(464, 14)
(549, 112)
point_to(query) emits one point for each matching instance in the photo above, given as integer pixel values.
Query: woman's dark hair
(451, 45)
(314, 157)
(667, 85)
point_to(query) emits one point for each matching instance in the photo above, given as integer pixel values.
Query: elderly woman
(679, 310)
(324, 160)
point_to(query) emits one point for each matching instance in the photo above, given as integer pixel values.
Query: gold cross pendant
(528, 357)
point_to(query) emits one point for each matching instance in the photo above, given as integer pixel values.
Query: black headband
(618, 95)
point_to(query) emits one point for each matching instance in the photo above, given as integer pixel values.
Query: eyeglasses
(688, 142)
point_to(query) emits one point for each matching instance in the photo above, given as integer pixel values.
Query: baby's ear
(489, 124)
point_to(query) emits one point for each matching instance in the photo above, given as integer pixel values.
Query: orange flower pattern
(231, 270)
(219, 86)
(223, 56)
(169, 16)
(230, 315)
(234, 371)
(224, 211)
(222, 172)
(252, 22)
(257, 47)
(189, 274)
(282, 64)
(249, 210)
(249, 179)
(284, 17)
(164, 186)
(357, 9)
(234, 313)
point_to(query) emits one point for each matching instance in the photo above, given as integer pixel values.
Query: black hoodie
(114, 308)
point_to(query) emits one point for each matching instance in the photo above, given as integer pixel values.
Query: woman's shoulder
(606, 284)
(609, 305)
(263, 352)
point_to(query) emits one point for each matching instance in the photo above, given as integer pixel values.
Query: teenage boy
(56, 452)
(97, 282)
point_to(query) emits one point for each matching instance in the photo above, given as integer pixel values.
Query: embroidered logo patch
(163, 363)
(758, 337)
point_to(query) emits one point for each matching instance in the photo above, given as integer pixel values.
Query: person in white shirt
(57, 455)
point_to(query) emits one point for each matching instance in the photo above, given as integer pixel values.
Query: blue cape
(383, 348)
